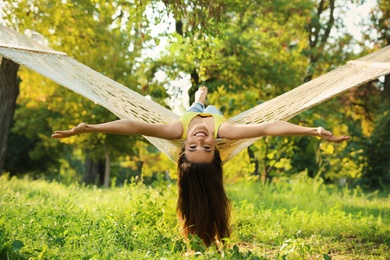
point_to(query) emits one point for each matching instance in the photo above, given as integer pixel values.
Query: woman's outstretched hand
(81, 128)
(327, 135)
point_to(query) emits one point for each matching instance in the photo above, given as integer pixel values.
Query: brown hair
(203, 207)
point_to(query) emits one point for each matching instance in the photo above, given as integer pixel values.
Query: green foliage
(301, 219)
(91, 220)
(377, 171)
(250, 58)
(29, 142)
(246, 52)
(96, 34)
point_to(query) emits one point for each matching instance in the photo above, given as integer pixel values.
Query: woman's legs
(198, 105)
(212, 110)
(200, 99)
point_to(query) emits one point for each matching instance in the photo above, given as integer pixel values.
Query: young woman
(203, 207)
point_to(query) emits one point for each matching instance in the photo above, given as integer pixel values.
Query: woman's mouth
(200, 133)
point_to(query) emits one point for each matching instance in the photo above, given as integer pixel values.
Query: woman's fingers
(67, 133)
(341, 139)
(335, 139)
(63, 133)
(327, 135)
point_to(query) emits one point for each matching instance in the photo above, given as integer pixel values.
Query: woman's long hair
(203, 207)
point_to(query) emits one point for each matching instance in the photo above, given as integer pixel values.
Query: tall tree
(9, 91)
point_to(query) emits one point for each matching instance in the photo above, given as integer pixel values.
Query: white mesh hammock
(125, 103)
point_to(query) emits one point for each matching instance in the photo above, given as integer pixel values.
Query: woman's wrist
(317, 131)
(83, 128)
(321, 132)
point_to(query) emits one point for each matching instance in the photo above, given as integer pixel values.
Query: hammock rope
(126, 103)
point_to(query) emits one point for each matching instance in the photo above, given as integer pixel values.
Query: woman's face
(200, 145)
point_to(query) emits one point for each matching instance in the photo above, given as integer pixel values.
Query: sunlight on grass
(299, 219)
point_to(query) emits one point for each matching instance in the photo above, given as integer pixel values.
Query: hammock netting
(128, 104)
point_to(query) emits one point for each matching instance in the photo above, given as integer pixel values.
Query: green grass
(301, 219)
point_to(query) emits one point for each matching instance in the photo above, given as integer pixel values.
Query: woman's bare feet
(201, 94)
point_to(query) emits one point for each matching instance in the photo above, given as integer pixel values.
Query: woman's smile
(200, 133)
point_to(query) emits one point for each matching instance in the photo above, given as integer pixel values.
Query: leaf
(327, 257)
(329, 149)
(17, 245)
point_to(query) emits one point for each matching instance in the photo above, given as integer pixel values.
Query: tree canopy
(246, 52)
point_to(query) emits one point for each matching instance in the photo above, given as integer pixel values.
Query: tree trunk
(255, 161)
(94, 170)
(106, 181)
(194, 74)
(90, 175)
(386, 92)
(9, 91)
(264, 177)
(319, 33)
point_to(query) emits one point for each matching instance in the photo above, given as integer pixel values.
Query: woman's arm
(126, 127)
(277, 128)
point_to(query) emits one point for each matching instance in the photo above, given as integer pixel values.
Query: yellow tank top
(188, 116)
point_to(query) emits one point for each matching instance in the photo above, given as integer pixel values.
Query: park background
(245, 52)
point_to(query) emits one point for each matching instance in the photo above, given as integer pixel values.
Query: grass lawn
(301, 219)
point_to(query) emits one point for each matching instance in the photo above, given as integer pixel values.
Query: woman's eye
(192, 146)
